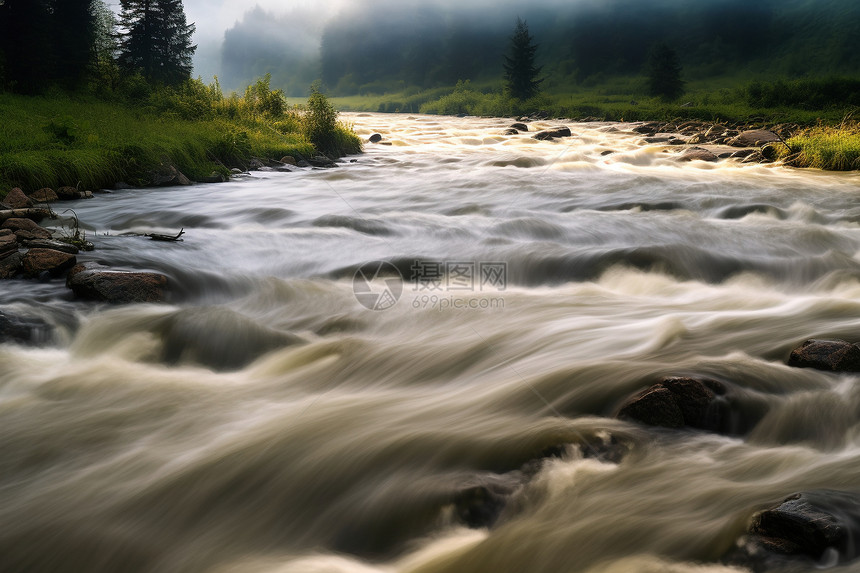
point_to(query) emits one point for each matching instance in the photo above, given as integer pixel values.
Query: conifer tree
(156, 40)
(664, 72)
(521, 73)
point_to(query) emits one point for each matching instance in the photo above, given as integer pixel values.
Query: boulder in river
(753, 138)
(678, 402)
(25, 229)
(8, 242)
(119, 287)
(37, 261)
(44, 195)
(519, 126)
(68, 193)
(168, 176)
(15, 199)
(697, 154)
(375, 138)
(51, 244)
(549, 134)
(288, 160)
(832, 355)
(806, 531)
(10, 265)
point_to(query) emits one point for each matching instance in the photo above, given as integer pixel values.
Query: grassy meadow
(58, 139)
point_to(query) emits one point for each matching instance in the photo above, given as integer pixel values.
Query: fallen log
(32, 213)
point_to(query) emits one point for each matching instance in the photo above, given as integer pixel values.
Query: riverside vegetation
(59, 139)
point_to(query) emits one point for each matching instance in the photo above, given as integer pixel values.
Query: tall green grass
(835, 148)
(56, 140)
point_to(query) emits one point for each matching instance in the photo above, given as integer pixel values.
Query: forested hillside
(394, 47)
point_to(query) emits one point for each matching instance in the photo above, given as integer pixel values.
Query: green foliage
(824, 147)
(521, 73)
(664, 72)
(262, 100)
(320, 125)
(818, 93)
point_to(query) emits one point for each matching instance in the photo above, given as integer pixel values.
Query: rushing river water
(265, 421)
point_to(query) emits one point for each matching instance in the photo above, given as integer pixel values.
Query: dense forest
(397, 46)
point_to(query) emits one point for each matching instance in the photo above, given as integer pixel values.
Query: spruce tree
(156, 40)
(521, 73)
(664, 72)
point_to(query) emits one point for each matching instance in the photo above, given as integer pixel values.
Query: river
(266, 420)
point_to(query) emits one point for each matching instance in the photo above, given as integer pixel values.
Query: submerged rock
(678, 402)
(68, 193)
(519, 126)
(118, 287)
(832, 355)
(806, 531)
(23, 329)
(51, 244)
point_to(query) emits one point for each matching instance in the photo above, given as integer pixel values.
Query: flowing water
(265, 421)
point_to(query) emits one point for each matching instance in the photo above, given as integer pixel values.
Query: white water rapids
(264, 421)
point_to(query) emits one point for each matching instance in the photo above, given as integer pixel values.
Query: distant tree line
(397, 47)
(75, 44)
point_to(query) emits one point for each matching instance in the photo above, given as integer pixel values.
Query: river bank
(173, 137)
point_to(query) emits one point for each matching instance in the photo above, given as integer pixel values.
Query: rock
(831, 355)
(10, 265)
(742, 153)
(322, 161)
(678, 402)
(698, 138)
(15, 199)
(68, 194)
(519, 126)
(51, 244)
(24, 330)
(479, 504)
(607, 152)
(117, 287)
(754, 157)
(753, 138)
(302, 163)
(8, 242)
(375, 138)
(86, 194)
(697, 154)
(169, 176)
(37, 261)
(44, 195)
(806, 531)
(255, 164)
(25, 228)
(236, 171)
(662, 139)
(288, 160)
(553, 133)
(214, 177)
(647, 129)
(511, 131)
(677, 141)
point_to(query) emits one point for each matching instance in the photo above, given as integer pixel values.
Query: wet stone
(831, 355)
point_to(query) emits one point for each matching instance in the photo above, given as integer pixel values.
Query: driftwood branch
(160, 237)
(34, 213)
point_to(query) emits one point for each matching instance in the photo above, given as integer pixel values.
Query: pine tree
(156, 40)
(521, 74)
(664, 72)
(73, 38)
(25, 40)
